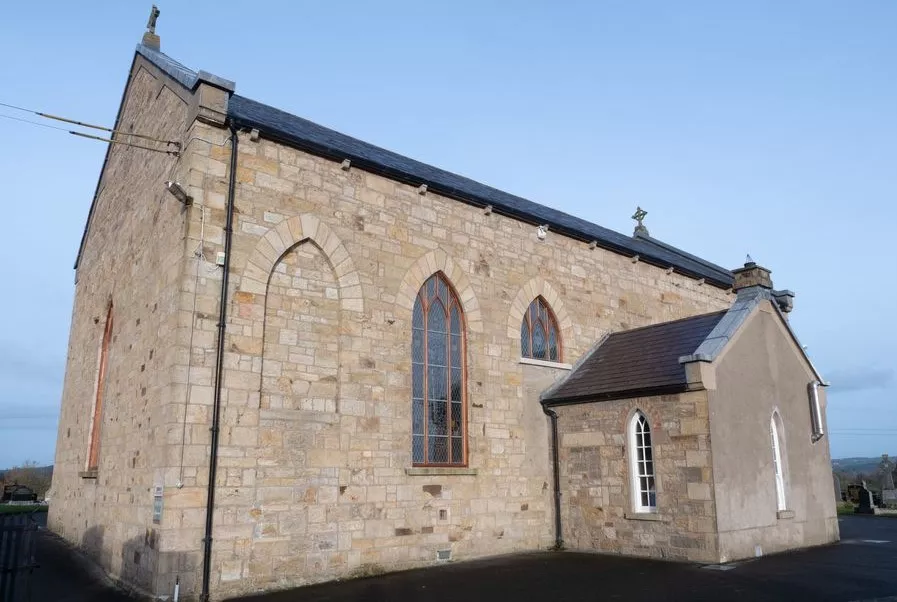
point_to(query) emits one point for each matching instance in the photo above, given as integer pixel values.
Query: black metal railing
(18, 533)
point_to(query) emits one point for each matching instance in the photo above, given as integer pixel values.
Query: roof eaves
(668, 389)
(334, 145)
(684, 254)
(300, 133)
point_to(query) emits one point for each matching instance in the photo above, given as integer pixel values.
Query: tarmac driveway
(862, 567)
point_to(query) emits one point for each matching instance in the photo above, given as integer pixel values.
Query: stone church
(296, 357)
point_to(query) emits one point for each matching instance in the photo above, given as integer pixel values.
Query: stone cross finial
(638, 216)
(150, 39)
(151, 24)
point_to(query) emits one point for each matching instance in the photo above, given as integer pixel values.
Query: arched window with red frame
(93, 453)
(439, 376)
(539, 334)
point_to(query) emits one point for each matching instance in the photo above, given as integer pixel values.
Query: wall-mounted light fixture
(178, 192)
(542, 231)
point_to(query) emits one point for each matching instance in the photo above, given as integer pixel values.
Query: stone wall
(316, 480)
(597, 511)
(132, 258)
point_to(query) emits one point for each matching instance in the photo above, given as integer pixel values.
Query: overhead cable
(111, 141)
(88, 125)
(43, 125)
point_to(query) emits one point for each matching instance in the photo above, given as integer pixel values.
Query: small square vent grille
(443, 554)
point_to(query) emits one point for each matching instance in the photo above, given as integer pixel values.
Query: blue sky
(767, 128)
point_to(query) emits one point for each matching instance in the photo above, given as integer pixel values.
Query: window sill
(439, 471)
(547, 364)
(650, 516)
(89, 474)
(783, 514)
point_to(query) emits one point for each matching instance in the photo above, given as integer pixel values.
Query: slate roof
(642, 361)
(313, 138)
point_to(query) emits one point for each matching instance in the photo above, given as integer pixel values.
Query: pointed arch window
(539, 334)
(775, 430)
(641, 459)
(438, 375)
(93, 453)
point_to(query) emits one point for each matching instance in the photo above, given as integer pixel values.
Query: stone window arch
(540, 337)
(439, 376)
(536, 288)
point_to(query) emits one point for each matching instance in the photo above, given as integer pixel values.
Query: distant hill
(858, 465)
(41, 470)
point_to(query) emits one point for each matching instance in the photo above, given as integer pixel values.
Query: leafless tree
(31, 475)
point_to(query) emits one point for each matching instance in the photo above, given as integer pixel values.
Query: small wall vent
(443, 554)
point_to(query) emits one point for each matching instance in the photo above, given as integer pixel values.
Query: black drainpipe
(556, 470)
(219, 366)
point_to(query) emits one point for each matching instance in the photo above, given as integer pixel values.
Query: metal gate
(17, 539)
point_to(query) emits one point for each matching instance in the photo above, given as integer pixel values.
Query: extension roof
(651, 360)
(310, 137)
(637, 362)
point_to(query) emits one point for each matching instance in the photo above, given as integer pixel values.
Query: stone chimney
(751, 275)
(756, 278)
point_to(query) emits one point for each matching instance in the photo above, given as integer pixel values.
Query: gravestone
(866, 506)
(888, 492)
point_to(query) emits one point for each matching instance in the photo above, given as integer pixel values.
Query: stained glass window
(438, 376)
(539, 337)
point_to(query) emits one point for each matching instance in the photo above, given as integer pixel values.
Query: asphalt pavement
(64, 575)
(863, 567)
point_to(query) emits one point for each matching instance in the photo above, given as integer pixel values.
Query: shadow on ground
(64, 575)
(862, 567)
